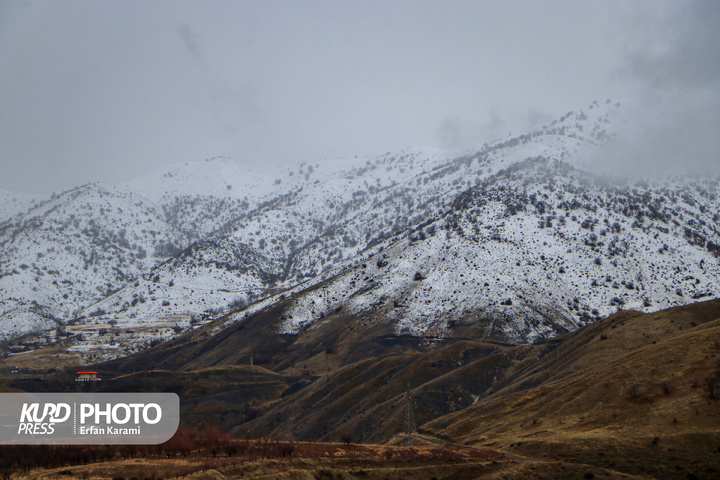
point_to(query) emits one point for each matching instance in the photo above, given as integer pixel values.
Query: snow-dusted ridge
(518, 237)
(537, 249)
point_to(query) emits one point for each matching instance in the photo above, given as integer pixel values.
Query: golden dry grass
(318, 461)
(626, 393)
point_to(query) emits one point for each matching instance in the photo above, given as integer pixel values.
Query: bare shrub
(666, 386)
(232, 449)
(633, 390)
(710, 384)
(347, 437)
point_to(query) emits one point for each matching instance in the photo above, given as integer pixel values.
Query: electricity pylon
(410, 426)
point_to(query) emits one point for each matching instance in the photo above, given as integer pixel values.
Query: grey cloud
(675, 69)
(237, 111)
(464, 134)
(451, 133)
(189, 39)
(691, 57)
(233, 105)
(672, 137)
(105, 90)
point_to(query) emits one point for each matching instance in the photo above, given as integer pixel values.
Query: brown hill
(632, 392)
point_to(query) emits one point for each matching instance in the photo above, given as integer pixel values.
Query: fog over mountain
(518, 241)
(675, 71)
(102, 91)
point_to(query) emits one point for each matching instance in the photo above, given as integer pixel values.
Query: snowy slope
(199, 197)
(320, 217)
(74, 250)
(536, 249)
(214, 177)
(519, 238)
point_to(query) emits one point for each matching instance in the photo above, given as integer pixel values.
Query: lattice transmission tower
(410, 426)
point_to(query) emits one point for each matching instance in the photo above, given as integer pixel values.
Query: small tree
(347, 437)
(633, 390)
(666, 386)
(231, 449)
(711, 384)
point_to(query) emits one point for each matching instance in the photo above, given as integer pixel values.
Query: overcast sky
(101, 91)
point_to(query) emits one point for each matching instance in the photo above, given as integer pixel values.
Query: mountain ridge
(215, 254)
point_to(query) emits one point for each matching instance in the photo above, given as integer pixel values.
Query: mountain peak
(516, 241)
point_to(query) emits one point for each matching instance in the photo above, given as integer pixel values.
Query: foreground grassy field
(315, 461)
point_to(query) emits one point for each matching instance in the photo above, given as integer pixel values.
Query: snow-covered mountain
(75, 249)
(519, 238)
(536, 249)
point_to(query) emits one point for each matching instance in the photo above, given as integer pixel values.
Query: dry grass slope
(630, 392)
